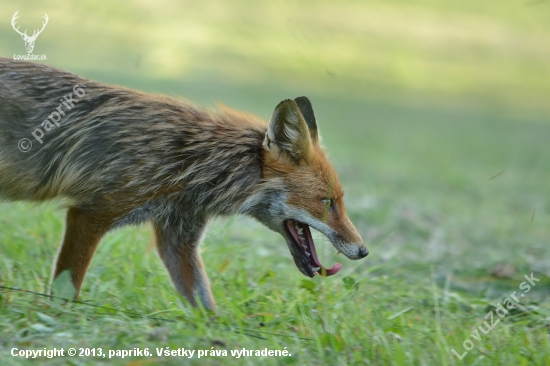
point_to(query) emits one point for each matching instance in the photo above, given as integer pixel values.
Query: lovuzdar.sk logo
(29, 40)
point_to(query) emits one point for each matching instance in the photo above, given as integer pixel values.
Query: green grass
(420, 104)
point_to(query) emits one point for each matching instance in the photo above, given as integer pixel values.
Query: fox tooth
(338, 252)
(300, 230)
(308, 254)
(316, 269)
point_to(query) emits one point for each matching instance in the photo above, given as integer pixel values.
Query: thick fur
(123, 157)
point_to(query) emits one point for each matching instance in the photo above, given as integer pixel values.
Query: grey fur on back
(130, 153)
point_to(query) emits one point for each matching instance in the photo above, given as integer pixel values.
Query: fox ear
(288, 131)
(307, 111)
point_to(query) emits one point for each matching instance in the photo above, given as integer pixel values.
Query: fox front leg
(178, 246)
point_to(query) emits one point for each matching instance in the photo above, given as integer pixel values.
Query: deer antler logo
(29, 40)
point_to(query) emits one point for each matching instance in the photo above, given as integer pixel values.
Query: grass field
(436, 116)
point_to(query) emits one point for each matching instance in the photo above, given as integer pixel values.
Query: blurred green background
(435, 113)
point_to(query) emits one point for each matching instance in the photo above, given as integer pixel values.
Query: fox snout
(344, 236)
(352, 249)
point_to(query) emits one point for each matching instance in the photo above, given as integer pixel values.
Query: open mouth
(301, 236)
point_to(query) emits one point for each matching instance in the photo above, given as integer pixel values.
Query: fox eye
(327, 202)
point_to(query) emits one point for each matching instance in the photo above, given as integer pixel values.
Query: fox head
(304, 189)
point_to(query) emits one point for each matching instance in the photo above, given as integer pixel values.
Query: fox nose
(363, 252)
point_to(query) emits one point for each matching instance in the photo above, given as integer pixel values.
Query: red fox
(122, 157)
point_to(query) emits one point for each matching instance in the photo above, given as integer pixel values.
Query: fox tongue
(315, 260)
(330, 271)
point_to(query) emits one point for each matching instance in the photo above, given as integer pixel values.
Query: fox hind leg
(83, 233)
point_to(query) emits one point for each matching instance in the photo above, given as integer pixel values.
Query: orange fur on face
(308, 183)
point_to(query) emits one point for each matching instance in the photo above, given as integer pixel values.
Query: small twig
(496, 175)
